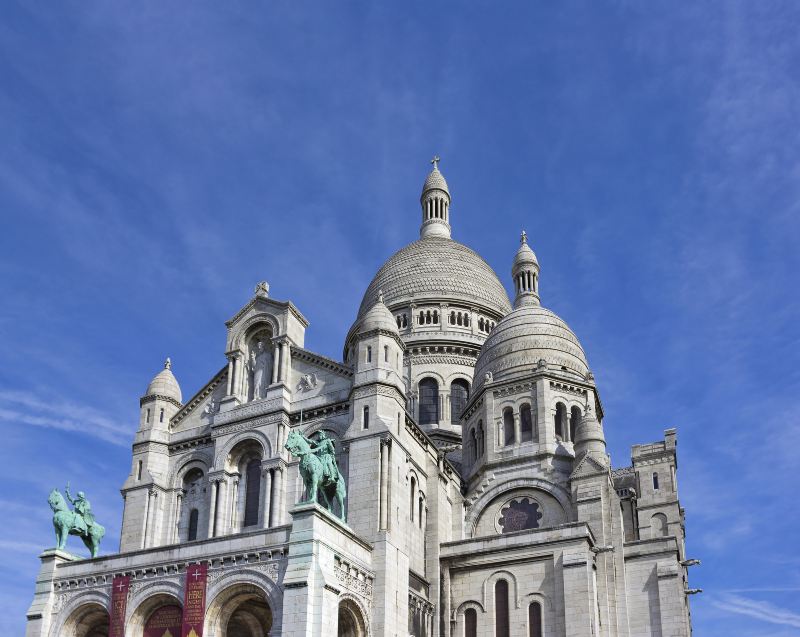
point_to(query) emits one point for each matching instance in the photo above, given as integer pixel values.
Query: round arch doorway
(89, 620)
(351, 621)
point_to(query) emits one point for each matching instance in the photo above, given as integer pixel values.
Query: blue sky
(159, 159)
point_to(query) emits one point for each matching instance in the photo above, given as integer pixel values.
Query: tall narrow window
(412, 494)
(139, 470)
(655, 482)
(561, 411)
(481, 439)
(574, 421)
(428, 402)
(193, 515)
(252, 492)
(535, 620)
(473, 446)
(419, 512)
(470, 623)
(148, 414)
(459, 394)
(365, 421)
(526, 423)
(161, 416)
(501, 625)
(436, 317)
(369, 354)
(508, 426)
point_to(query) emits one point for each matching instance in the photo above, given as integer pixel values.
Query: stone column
(277, 486)
(284, 374)
(219, 518)
(149, 534)
(212, 509)
(234, 522)
(384, 460)
(276, 360)
(266, 491)
(517, 429)
(177, 526)
(230, 376)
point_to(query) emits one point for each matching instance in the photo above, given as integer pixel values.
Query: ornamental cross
(196, 574)
(120, 587)
(435, 161)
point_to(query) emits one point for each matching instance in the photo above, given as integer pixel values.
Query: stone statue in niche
(258, 366)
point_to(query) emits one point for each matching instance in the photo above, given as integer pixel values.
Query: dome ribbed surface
(435, 268)
(435, 180)
(524, 256)
(525, 336)
(165, 384)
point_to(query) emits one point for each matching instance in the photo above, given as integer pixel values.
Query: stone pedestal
(327, 563)
(40, 609)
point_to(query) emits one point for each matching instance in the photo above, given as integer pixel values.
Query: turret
(525, 272)
(589, 437)
(435, 201)
(161, 400)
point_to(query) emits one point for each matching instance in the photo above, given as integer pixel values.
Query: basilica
(448, 477)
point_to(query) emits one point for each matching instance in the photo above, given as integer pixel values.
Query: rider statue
(325, 450)
(81, 507)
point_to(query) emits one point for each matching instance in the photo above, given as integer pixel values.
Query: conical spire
(525, 272)
(589, 435)
(435, 201)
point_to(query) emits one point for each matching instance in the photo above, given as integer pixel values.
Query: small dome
(526, 336)
(525, 256)
(378, 317)
(165, 384)
(435, 181)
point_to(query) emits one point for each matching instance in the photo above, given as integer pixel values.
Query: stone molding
(199, 397)
(308, 356)
(248, 410)
(151, 397)
(354, 578)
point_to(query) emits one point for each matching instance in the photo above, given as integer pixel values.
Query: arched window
(561, 411)
(399, 322)
(526, 423)
(470, 623)
(161, 416)
(508, 426)
(466, 320)
(452, 318)
(575, 419)
(535, 620)
(501, 623)
(480, 323)
(252, 492)
(459, 393)
(365, 421)
(428, 402)
(428, 317)
(412, 493)
(193, 517)
(460, 319)
(436, 317)
(659, 526)
(419, 512)
(655, 482)
(481, 439)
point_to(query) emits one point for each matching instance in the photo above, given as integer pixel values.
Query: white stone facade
(480, 498)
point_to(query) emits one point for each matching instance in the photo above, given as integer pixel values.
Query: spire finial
(168, 363)
(435, 161)
(523, 238)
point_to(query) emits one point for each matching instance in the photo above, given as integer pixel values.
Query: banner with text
(119, 602)
(194, 603)
(164, 622)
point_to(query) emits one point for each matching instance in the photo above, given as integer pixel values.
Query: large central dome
(437, 268)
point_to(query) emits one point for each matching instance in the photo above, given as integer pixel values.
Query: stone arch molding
(554, 490)
(220, 461)
(59, 628)
(359, 603)
(339, 428)
(488, 587)
(194, 460)
(234, 582)
(470, 603)
(138, 608)
(245, 330)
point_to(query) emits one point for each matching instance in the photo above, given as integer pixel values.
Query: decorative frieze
(353, 578)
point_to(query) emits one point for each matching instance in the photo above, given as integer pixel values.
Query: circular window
(519, 514)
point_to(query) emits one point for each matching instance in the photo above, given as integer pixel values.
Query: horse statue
(318, 469)
(67, 522)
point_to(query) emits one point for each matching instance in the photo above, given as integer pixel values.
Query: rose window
(519, 514)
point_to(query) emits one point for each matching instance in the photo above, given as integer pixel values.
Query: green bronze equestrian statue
(318, 469)
(80, 521)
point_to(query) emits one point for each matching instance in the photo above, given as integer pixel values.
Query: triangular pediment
(589, 465)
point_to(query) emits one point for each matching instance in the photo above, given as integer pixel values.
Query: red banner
(165, 622)
(119, 602)
(194, 602)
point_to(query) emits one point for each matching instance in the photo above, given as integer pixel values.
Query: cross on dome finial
(435, 161)
(168, 364)
(523, 238)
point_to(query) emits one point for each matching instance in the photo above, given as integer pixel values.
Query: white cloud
(26, 408)
(763, 611)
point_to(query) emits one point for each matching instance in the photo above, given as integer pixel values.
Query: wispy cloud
(756, 609)
(26, 408)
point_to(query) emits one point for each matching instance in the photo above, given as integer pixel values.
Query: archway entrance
(351, 621)
(164, 622)
(240, 610)
(252, 617)
(89, 620)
